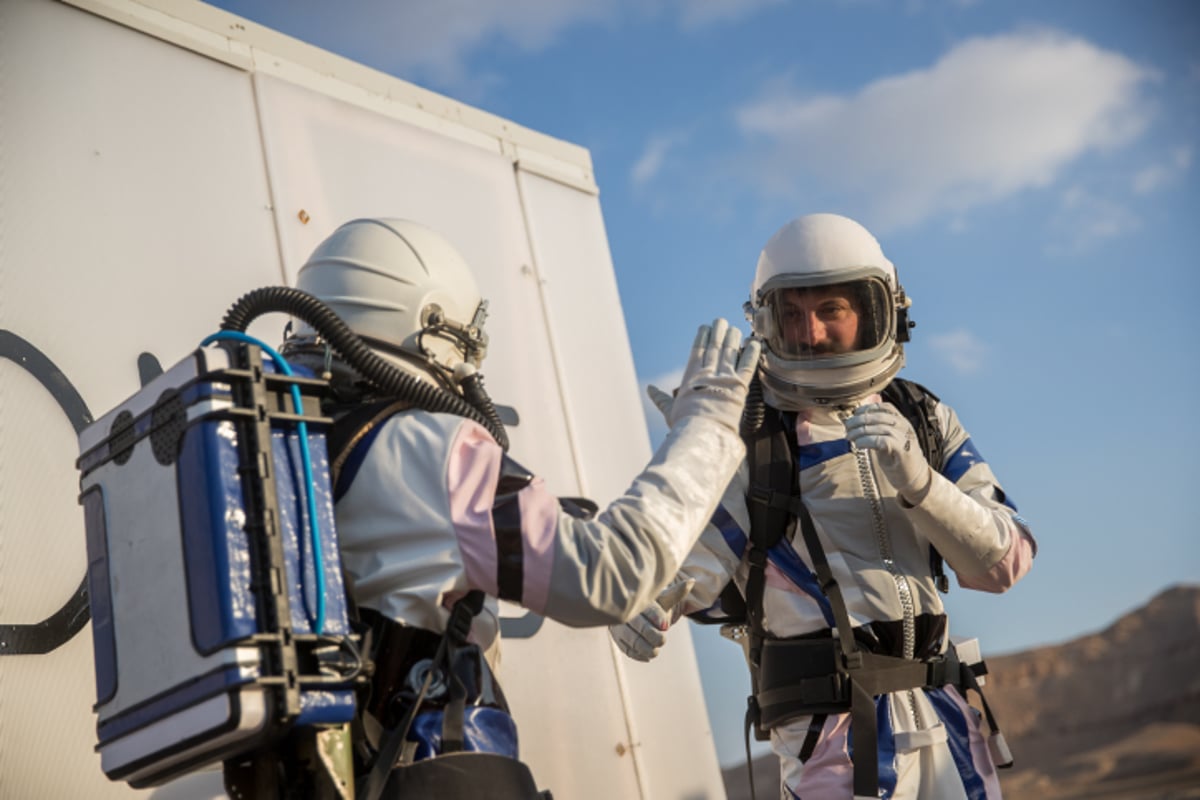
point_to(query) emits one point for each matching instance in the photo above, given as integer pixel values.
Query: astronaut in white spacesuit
(432, 513)
(827, 548)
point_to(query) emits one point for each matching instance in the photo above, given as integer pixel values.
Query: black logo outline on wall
(57, 629)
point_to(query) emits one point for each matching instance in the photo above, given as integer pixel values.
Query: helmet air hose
(471, 381)
(755, 409)
(350, 346)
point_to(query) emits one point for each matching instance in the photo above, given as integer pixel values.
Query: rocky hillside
(1113, 715)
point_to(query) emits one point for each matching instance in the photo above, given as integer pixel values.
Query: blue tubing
(305, 459)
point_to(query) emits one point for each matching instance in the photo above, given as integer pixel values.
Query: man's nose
(812, 329)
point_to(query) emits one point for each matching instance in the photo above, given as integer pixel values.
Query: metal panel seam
(573, 442)
(276, 223)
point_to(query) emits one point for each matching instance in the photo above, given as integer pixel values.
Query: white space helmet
(404, 289)
(830, 311)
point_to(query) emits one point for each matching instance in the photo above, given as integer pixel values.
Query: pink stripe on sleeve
(1008, 570)
(539, 531)
(472, 472)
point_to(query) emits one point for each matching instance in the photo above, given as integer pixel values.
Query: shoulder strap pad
(772, 472)
(349, 430)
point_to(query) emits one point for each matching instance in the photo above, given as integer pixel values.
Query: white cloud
(960, 349)
(1163, 173)
(698, 13)
(1085, 219)
(433, 40)
(1150, 178)
(438, 36)
(992, 117)
(653, 157)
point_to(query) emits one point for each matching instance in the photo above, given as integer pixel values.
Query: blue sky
(1030, 167)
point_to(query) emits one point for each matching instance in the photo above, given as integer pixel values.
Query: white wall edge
(222, 36)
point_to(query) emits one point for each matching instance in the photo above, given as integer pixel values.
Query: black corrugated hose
(754, 410)
(354, 351)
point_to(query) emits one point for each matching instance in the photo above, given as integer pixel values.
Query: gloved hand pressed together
(643, 636)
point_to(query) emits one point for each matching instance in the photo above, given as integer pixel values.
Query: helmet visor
(839, 319)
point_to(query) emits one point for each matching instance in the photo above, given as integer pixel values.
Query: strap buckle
(458, 628)
(775, 499)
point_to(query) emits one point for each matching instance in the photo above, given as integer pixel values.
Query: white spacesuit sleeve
(969, 536)
(963, 516)
(610, 568)
(714, 560)
(706, 571)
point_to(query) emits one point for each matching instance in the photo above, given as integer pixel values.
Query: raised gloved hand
(715, 380)
(642, 636)
(880, 427)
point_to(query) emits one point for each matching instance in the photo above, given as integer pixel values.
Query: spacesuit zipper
(883, 540)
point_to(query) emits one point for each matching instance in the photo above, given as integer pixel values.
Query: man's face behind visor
(820, 321)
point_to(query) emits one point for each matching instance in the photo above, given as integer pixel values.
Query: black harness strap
(841, 616)
(457, 630)
(350, 429)
(816, 725)
(770, 463)
(862, 703)
(771, 466)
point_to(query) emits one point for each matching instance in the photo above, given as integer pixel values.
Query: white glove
(880, 427)
(662, 401)
(642, 636)
(715, 380)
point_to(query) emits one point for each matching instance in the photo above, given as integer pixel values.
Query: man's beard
(820, 349)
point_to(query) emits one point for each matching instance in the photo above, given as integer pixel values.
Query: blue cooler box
(203, 578)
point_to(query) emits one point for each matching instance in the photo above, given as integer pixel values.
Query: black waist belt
(801, 677)
(798, 677)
